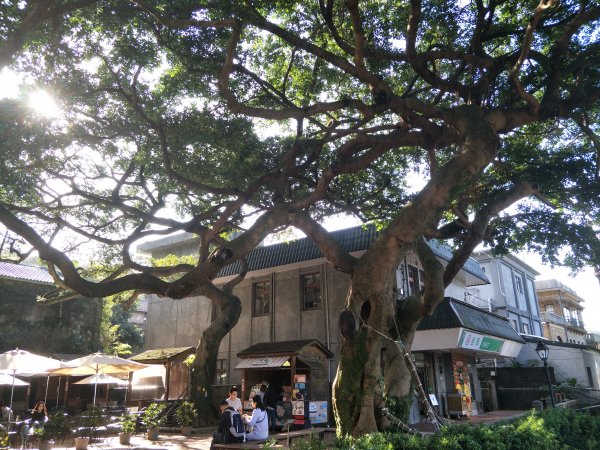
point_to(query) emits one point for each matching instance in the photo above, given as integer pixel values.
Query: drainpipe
(326, 305)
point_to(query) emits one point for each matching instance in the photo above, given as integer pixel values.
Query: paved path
(202, 441)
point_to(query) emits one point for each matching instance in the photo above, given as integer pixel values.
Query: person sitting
(39, 413)
(233, 399)
(223, 434)
(259, 421)
(6, 414)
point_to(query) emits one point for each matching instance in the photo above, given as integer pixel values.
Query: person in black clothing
(271, 398)
(223, 435)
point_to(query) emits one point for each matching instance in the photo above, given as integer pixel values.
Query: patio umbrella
(102, 378)
(23, 362)
(9, 380)
(99, 363)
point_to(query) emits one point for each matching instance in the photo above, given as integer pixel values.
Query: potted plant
(128, 423)
(87, 423)
(185, 414)
(153, 418)
(48, 432)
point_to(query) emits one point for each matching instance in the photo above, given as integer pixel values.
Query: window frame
(221, 369)
(319, 283)
(268, 283)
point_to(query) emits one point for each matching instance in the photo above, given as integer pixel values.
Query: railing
(575, 323)
(478, 302)
(553, 318)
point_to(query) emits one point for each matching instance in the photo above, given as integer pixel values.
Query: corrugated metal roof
(453, 313)
(163, 354)
(25, 272)
(351, 239)
(282, 348)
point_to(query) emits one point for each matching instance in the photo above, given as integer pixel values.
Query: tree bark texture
(370, 317)
(203, 369)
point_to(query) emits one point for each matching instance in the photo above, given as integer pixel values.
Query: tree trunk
(364, 325)
(203, 369)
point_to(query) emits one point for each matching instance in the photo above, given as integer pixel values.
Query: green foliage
(186, 413)
(559, 429)
(128, 423)
(153, 415)
(53, 428)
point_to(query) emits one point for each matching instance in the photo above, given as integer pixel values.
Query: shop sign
(475, 341)
(262, 362)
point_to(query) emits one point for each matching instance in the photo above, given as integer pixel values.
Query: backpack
(237, 428)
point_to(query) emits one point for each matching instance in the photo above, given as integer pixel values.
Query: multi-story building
(561, 312)
(291, 300)
(511, 292)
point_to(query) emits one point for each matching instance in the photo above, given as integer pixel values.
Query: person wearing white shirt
(258, 421)
(233, 399)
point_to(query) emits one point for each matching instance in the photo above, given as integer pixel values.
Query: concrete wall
(568, 360)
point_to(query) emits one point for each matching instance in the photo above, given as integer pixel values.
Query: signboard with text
(475, 341)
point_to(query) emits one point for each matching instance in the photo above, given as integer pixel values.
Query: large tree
(239, 118)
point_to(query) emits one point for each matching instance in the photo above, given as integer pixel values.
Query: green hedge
(559, 429)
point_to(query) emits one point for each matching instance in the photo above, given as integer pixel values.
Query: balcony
(553, 318)
(575, 323)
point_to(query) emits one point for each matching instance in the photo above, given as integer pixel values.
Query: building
(69, 327)
(291, 300)
(561, 311)
(511, 292)
(72, 327)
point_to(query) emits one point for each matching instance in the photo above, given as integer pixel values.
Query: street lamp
(542, 351)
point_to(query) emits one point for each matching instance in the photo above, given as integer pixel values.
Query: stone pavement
(201, 440)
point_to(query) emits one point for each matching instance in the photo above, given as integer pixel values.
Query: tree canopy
(234, 119)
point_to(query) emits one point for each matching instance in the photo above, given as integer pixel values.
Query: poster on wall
(284, 413)
(317, 412)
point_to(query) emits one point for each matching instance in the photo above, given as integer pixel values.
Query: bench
(284, 440)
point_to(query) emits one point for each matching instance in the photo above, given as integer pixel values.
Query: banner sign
(475, 341)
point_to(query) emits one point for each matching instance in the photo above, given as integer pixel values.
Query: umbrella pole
(58, 392)
(46, 394)
(12, 389)
(96, 385)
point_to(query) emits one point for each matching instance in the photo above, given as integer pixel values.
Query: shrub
(153, 416)
(185, 414)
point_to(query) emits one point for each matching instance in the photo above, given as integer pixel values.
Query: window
(416, 280)
(221, 372)
(525, 328)
(515, 325)
(550, 309)
(311, 291)
(261, 298)
(518, 284)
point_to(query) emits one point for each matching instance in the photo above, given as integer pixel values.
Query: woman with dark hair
(258, 421)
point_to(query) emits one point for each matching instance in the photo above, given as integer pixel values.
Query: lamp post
(542, 351)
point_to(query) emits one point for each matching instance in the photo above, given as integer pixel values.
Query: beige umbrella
(102, 378)
(99, 363)
(23, 362)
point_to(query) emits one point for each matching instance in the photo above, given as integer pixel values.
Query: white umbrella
(99, 363)
(9, 380)
(102, 378)
(24, 362)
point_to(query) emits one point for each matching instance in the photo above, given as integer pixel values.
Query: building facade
(511, 292)
(561, 311)
(291, 294)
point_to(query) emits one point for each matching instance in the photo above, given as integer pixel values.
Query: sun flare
(44, 104)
